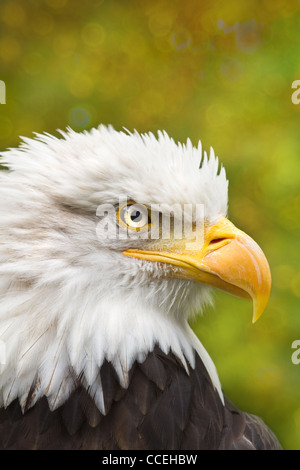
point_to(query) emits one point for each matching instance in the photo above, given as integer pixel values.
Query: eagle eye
(134, 216)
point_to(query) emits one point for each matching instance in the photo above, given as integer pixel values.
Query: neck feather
(49, 348)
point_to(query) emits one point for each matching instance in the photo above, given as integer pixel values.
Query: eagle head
(109, 242)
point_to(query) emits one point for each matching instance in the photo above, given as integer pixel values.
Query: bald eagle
(96, 294)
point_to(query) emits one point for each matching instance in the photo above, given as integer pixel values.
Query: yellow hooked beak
(228, 260)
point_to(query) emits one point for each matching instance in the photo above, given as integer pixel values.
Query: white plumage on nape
(72, 301)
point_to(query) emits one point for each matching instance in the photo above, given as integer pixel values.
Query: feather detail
(151, 413)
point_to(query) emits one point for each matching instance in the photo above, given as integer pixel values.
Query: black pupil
(135, 216)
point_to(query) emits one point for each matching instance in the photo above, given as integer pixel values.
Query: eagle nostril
(217, 240)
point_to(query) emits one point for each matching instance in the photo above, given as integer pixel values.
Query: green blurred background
(217, 71)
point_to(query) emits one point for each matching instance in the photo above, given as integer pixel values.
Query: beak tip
(259, 305)
(256, 314)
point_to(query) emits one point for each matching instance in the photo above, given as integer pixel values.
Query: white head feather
(69, 300)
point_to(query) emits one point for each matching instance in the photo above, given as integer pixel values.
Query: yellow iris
(134, 216)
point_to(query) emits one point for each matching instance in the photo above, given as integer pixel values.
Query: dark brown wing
(163, 408)
(244, 431)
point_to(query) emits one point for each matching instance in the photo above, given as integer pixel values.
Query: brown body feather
(163, 408)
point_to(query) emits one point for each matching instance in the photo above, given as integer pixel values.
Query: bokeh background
(217, 71)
